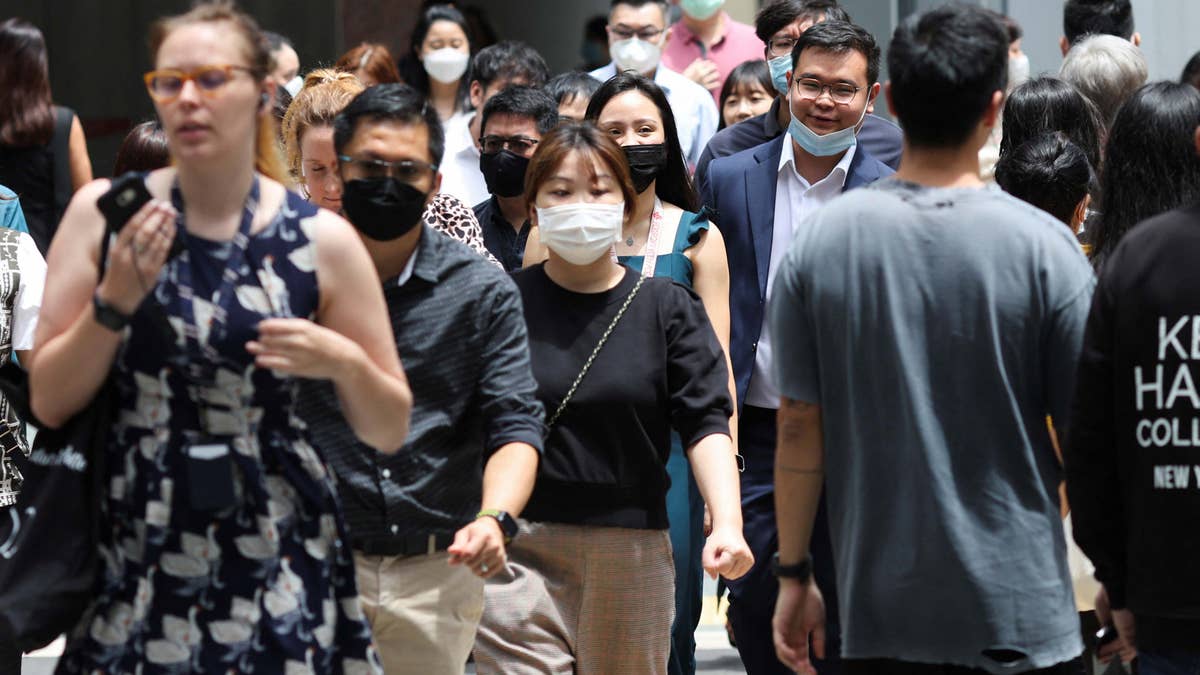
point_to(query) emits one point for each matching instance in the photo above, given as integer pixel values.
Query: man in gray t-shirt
(932, 325)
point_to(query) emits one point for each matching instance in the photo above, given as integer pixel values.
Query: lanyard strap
(650, 257)
(217, 318)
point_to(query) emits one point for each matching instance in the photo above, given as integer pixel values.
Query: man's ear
(1136, 39)
(872, 95)
(1080, 213)
(1064, 45)
(887, 96)
(437, 187)
(992, 115)
(476, 94)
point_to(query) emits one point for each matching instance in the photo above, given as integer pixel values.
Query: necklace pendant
(629, 241)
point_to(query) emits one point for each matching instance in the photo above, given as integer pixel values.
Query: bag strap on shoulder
(60, 150)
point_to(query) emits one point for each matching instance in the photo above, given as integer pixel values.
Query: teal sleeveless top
(675, 264)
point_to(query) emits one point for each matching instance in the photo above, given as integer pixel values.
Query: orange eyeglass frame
(190, 76)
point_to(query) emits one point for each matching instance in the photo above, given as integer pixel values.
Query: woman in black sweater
(589, 584)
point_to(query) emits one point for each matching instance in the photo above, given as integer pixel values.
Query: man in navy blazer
(761, 197)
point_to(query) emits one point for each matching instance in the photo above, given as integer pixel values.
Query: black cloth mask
(645, 163)
(504, 173)
(383, 208)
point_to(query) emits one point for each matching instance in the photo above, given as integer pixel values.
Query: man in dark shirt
(422, 543)
(778, 25)
(513, 122)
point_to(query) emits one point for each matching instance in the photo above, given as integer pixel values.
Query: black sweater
(662, 368)
(1133, 450)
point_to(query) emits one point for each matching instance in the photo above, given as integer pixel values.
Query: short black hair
(636, 4)
(1191, 71)
(945, 64)
(1048, 171)
(568, 86)
(390, 102)
(840, 37)
(275, 41)
(782, 13)
(1097, 17)
(1047, 104)
(523, 102)
(509, 60)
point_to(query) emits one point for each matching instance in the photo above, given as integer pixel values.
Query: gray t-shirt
(937, 329)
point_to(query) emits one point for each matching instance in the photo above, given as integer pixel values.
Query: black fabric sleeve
(507, 392)
(697, 379)
(1090, 451)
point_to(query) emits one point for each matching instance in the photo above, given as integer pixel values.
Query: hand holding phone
(144, 231)
(127, 195)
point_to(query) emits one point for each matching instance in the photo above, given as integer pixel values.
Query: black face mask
(645, 163)
(504, 173)
(383, 208)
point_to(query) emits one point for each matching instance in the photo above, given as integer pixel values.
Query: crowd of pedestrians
(436, 357)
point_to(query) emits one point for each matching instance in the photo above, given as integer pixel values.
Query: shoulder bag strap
(588, 364)
(60, 150)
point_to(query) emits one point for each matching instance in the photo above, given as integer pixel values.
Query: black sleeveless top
(29, 172)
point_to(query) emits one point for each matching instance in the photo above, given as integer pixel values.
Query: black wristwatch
(801, 571)
(108, 316)
(508, 524)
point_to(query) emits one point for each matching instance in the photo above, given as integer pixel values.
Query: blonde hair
(267, 159)
(325, 93)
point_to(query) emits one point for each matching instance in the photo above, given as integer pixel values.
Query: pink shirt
(737, 45)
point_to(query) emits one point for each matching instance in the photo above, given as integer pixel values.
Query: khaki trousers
(423, 612)
(581, 600)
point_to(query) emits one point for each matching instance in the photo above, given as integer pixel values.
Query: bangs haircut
(586, 139)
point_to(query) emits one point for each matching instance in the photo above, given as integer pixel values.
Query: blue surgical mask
(780, 65)
(829, 144)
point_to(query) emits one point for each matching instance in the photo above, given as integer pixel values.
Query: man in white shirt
(637, 34)
(762, 196)
(494, 69)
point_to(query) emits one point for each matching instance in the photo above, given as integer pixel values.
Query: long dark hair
(26, 110)
(1150, 161)
(673, 184)
(1047, 104)
(412, 71)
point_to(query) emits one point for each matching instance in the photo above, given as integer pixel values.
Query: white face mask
(1018, 71)
(446, 65)
(636, 54)
(581, 233)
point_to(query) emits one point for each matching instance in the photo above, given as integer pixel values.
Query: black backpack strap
(60, 150)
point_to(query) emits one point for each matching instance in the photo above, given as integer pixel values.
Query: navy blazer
(740, 189)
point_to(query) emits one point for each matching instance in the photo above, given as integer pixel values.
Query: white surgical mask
(701, 9)
(294, 85)
(780, 65)
(446, 65)
(636, 54)
(581, 232)
(1018, 71)
(828, 144)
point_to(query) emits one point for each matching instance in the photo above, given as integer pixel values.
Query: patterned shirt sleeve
(448, 215)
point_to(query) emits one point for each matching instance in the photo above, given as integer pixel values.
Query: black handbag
(49, 555)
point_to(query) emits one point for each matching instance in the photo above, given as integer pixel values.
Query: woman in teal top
(668, 235)
(11, 215)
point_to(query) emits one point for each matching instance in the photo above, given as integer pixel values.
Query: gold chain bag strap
(588, 364)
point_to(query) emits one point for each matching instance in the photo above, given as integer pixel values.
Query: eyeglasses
(405, 170)
(840, 93)
(521, 145)
(781, 46)
(167, 84)
(649, 33)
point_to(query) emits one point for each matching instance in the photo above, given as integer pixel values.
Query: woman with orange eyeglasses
(224, 545)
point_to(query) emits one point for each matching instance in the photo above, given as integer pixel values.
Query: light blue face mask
(780, 65)
(700, 9)
(829, 144)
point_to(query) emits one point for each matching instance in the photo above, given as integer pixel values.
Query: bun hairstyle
(326, 92)
(1048, 171)
(267, 159)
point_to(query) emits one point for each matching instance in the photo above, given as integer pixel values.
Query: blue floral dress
(265, 583)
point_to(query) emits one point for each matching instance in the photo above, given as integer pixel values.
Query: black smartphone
(123, 199)
(127, 194)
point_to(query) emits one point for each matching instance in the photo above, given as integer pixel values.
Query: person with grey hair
(1107, 70)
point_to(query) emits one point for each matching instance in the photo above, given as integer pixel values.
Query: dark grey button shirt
(460, 331)
(501, 240)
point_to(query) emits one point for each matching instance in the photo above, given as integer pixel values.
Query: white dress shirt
(795, 199)
(692, 105)
(461, 176)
